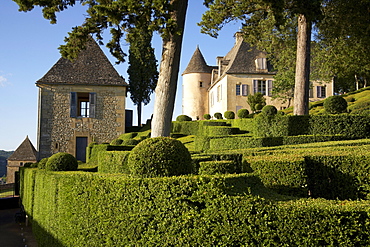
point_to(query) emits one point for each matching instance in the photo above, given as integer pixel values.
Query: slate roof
(241, 59)
(197, 64)
(26, 151)
(91, 67)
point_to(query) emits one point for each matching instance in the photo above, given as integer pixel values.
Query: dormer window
(82, 105)
(261, 63)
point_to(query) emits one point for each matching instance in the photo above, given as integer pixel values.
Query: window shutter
(92, 101)
(269, 88)
(73, 105)
(255, 86)
(310, 93)
(244, 89)
(318, 91)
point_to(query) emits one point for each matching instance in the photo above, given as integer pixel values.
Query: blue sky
(28, 49)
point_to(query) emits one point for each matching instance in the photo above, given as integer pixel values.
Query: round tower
(195, 83)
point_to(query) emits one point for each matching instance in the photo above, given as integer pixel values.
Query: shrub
(229, 115)
(218, 115)
(217, 167)
(269, 110)
(130, 142)
(256, 101)
(207, 116)
(61, 162)
(159, 157)
(127, 136)
(350, 99)
(42, 163)
(335, 104)
(182, 118)
(243, 113)
(116, 142)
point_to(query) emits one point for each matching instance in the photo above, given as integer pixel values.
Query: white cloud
(3, 81)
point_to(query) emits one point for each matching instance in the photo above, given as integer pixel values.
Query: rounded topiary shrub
(229, 115)
(207, 116)
(116, 142)
(259, 106)
(61, 162)
(269, 110)
(182, 118)
(243, 113)
(335, 104)
(159, 157)
(42, 163)
(218, 115)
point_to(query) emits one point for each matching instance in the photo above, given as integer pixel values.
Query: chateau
(244, 70)
(80, 102)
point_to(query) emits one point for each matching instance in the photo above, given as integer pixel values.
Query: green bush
(128, 136)
(160, 156)
(42, 163)
(218, 115)
(243, 113)
(186, 128)
(113, 162)
(130, 142)
(229, 115)
(269, 110)
(207, 116)
(335, 104)
(116, 142)
(183, 118)
(61, 162)
(217, 167)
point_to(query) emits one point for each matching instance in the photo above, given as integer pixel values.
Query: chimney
(238, 37)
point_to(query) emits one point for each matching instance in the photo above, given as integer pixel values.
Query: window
(261, 63)
(212, 99)
(200, 84)
(82, 104)
(262, 86)
(241, 89)
(219, 93)
(321, 91)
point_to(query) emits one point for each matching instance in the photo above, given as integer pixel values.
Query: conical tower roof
(25, 151)
(91, 67)
(197, 64)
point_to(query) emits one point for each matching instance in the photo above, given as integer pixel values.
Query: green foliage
(42, 163)
(130, 142)
(335, 104)
(218, 115)
(183, 118)
(217, 167)
(243, 113)
(160, 156)
(269, 110)
(229, 115)
(207, 116)
(256, 101)
(116, 142)
(61, 162)
(113, 162)
(128, 136)
(185, 127)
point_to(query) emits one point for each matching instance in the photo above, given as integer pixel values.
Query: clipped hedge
(113, 162)
(217, 167)
(185, 127)
(87, 209)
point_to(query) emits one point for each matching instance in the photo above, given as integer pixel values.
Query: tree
(166, 16)
(142, 71)
(256, 99)
(254, 14)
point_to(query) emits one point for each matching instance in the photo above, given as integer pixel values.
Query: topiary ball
(335, 104)
(229, 115)
(258, 106)
(218, 115)
(269, 110)
(207, 116)
(243, 113)
(159, 157)
(182, 118)
(61, 162)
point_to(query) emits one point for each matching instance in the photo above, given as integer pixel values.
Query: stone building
(25, 153)
(244, 70)
(80, 102)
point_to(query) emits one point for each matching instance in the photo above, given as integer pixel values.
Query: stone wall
(58, 131)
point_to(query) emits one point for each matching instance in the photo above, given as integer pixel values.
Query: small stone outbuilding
(25, 153)
(80, 102)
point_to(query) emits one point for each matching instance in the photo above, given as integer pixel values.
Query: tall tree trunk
(139, 107)
(357, 83)
(165, 92)
(302, 74)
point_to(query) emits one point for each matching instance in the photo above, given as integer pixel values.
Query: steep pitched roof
(25, 151)
(197, 64)
(91, 67)
(241, 59)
